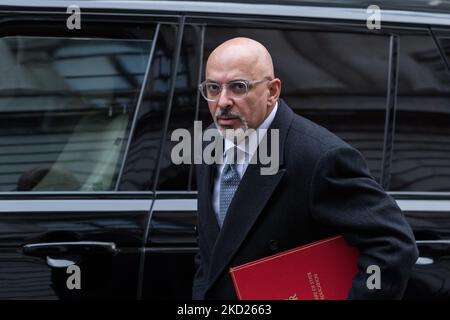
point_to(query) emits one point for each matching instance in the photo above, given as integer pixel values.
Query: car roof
(438, 6)
(430, 12)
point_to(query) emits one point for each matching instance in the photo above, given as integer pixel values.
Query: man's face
(230, 112)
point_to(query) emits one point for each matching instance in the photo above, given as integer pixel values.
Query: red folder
(322, 270)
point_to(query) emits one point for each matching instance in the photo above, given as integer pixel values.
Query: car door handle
(63, 248)
(432, 248)
(424, 261)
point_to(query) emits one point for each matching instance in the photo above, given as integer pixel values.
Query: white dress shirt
(243, 158)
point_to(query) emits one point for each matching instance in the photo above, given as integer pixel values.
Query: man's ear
(274, 91)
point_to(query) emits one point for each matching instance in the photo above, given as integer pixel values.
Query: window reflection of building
(68, 102)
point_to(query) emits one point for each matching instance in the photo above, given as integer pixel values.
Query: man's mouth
(226, 121)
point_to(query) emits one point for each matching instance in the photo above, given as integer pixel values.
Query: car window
(421, 154)
(336, 79)
(176, 177)
(66, 106)
(144, 152)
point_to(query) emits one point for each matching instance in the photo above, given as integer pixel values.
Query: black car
(90, 95)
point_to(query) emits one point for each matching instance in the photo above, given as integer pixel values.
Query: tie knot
(230, 168)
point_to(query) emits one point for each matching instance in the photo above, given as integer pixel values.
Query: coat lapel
(207, 219)
(246, 206)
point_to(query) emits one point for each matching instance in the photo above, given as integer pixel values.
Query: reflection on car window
(65, 111)
(144, 149)
(421, 154)
(175, 177)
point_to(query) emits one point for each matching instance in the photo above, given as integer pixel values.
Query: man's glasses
(237, 89)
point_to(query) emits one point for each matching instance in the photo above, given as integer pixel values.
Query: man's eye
(238, 87)
(212, 87)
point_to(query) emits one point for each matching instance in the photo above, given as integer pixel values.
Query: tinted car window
(145, 147)
(140, 167)
(338, 80)
(183, 111)
(421, 152)
(66, 106)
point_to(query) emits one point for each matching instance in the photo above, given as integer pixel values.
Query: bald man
(322, 186)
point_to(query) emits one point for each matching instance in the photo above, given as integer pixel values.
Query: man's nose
(224, 100)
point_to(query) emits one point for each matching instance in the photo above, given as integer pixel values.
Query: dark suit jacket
(323, 188)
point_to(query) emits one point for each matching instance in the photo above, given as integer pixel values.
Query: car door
(172, 240)
(76, 125)
(419, 173)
